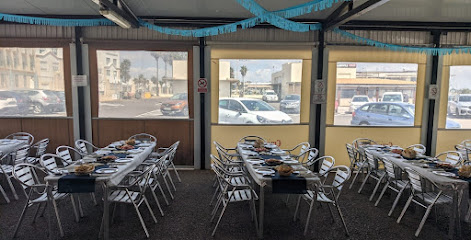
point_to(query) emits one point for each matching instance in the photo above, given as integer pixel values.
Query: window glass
(459, 98)
(30, 89)
(235, 106)
(270, 90)
(142, 84)
(360, 83)
(224, 104)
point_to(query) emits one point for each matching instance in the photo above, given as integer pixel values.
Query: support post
(431, 105)
(202, 103)
(80, 90)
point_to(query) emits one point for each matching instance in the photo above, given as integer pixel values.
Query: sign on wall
(202, 85)
(319, 95)
(79, 80)
(433, 91)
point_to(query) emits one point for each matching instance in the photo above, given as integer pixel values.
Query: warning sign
(202, 85)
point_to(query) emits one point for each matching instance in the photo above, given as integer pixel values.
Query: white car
(270, 96)
(460, 105)
(249, 111)
(358, 101)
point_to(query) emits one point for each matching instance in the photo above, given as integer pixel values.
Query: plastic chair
(419, 148)
(40, 147)
(27, 175)
(326, 193)
(452, 157)
(85, 147)
(423, 198)
(394, 182)
(27, 137)
(373, 172)
(6, 168)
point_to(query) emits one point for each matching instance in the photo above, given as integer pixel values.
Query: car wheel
(185, 111)
(249, 122)
(38, 108)
(364, 124)
(164, 113)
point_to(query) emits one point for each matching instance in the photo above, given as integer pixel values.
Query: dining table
(458, 188)
(265, 177)
(10, 145)
(126, 162)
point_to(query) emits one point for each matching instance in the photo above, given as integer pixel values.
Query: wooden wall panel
(110, 130)
(9, 125)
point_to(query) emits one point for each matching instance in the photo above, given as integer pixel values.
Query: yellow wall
(288, 135)
(338, 136)
(447, 139)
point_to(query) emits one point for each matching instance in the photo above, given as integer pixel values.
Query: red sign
(202, 85)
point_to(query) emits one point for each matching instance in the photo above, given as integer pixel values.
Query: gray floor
(187, 217)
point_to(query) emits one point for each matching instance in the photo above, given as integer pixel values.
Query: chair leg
(341, 218)
(364, 181)
(21, 219)
(12, 187)
(168, 187)
(79, 204)
(141, 219)
(158, 203)
(354, 178)
(308, 216)
(405, 208)
(468, 215)
(219, 220)
(396, 201)
(382, 193)
(176, 172)
(36, 212)
(92, 196)
(214, 196)
(254, 214)
(376, 187)
(163, 194)
(331, 213)
(4, 194)
(150, 209)
(421, 225)
(171, 181)
(54, 204)
(74, 207)
(297, 208)
(287, 199)
(113, 212)
(216, 207)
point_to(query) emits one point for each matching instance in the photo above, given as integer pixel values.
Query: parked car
(270, 96)
(8, 103)
(249, 111)
(177, 104)
(389, 114)
(23, 102)
(392, 97)
(61, 96)
(291, 103)
(43, 101)
(460, 105)
(357, 101)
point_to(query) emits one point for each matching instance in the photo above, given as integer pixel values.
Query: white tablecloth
(9, 145)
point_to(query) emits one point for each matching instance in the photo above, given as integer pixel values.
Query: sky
(258, 70)
(460, 77)
(143, 63)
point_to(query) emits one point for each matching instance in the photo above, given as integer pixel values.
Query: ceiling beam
(354, 13)
(337, 11)
(124, 12)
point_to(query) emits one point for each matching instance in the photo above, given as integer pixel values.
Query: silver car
(249, 111)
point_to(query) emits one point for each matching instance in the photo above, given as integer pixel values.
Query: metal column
(202, 103)
(431, 105)
(80, 90)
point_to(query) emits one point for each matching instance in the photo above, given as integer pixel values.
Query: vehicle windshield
(292, 97)
(410, 108)
(360, 99)
(270, 93)
(50, 94)
(180, 96)
(392, 98)
(465, 98)
(256, 105)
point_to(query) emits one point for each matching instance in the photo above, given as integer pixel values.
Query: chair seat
(122, 196)
(32, 160)
(430, 196)
(43, 198)
(401, 183)
(321, 197)
(238, 181)
(6, 168)
(361, 164)
(241, 195)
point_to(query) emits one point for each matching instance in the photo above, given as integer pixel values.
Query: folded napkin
(288, 185)
(76, 184)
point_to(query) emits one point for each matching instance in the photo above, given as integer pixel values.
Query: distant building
(393, 75)
(288, 80)
(346, 70)
(109, 75)
(227, 84)
(178, 82)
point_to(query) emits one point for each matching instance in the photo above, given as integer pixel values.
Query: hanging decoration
(393, 47)
(56, 21)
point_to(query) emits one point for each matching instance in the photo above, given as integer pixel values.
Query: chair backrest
(452, 157)
(27, 137)
(419, 148)
(84, 146)
(353, 153)
(68, 154)
(311, 157)
(144, 137)
(41, 147)
(251, 139)
(465, 151)
(372, 163)
(390, 168)
(327, 162)
(466, 143)
(27, 174)
(362, 141)
(303, 150)
(173, 150)
(415, 180)
(19, 155)
(342, 174)
(49, 162)
(223, 155)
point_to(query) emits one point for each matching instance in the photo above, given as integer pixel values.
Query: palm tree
(243, 72)
(156, 56)
(125, 68)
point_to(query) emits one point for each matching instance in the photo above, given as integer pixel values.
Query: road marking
(150, 114)
(112, 104)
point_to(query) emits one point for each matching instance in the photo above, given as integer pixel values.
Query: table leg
(49, 212)
(106, 213)
(261, 210)
(451, 230)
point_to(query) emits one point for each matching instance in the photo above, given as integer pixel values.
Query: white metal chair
(27, 137)
(299, 152)
(85, 147)
(373, 172)
(144, 137)
(357, 162)
(466, 143)
(40, 147)
(326, 193)
(49, 162)
(172, 150)
(419, 148)
(423, 198)
(27, 175)
(394, 182)
(464, 150)
(362, 141)
(68, 154)
(162, 170)
(452, 157)
(6, 167)
(132, 191)
(326, 163)
(251, 138)
(230, 193)
(232, 152)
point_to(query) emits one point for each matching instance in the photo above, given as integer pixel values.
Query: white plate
(144, 144)
(265, 171)
(290, 161)
(270, 145)
(123, 160)
(445, 174)
(106, 170)
(255, 161)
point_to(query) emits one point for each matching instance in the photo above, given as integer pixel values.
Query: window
(32, 91)
(459, 98)
(381, 94)
(144, 84)
(260, 91)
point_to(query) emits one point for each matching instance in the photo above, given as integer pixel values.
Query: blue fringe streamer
(393, 47)
(56, 21)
